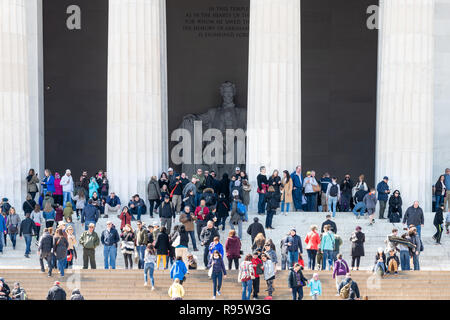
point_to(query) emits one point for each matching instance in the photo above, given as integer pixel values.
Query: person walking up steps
(370, 202)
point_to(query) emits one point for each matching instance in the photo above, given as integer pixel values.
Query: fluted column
(405, 99)
(14, 119)
(274, 87)
(136, 137)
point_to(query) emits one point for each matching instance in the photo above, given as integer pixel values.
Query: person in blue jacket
(383, 195)
(48, 182)
(2, 232)
(178, 270)
(297, 184)
(215, 245)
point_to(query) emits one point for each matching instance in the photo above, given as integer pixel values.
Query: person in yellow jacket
(176, 290)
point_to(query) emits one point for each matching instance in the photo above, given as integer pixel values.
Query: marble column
(404, 149)
(137, 100)
(14, 102)
(441, 155)
(274, 87)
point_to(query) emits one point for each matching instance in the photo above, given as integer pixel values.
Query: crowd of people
(194, 211)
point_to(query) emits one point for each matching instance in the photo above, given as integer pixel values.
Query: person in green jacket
(89, 240)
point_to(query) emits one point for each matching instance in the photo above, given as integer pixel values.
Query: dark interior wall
(207, 44)
(339, 86)
(75, 84)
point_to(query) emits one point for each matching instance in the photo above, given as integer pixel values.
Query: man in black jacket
(110, 238)
(56, 292)
(354, 289)
(206, 237)
(414, 216)
(166, 214)
(90, 214)
(27, 229)
(45, 251)
(330, 223)
(255, 228)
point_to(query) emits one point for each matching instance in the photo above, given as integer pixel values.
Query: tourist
(255, 228)
(199, 184)
(80, 199)
(237, 216)
(27, 230)
(3, 231)
(339, 271)
(391, 244)
(125, 218)
(275, 182)
(348, 288)
(380, 262)
(176, 193)
(68, 211)
(32, 181)
(201, 216)
(259, 242)
(392, 262)
(286, 192)
(222, 209)
(4, 218)
(437, 222)
(272, 203)
(405, 258)
(192, 262)
(447, 187)
(37, 217)
(58, 194)
(187, 219)
(297, 185)
(414, 238)
(327, 247)
(370, 202)
(176, 290)
(29, 204)
(178, 270)
(360, 207)
(207, 236)
(162, 245)
(84, 183)
(311, 188)
(59, 215)
(246, 189)
(337, 245)
(45, 251)
(154, 195)
(76, 295)
(89, 240)
(141, 243)
(357, 239)
(294, 246)
(5, 206)
(312, 241)
(18, 293)
(269, 273)
(112, 205)
(71, 252)
(217, 273)
(296, 282)
(89, 215)
(360, 185)
(233, 249)
(440, 190)
(67, 186)
(329, 222)
(414, 216)
(315, 287)
(245, 276)
(128, 245)
(284, 252)
(149, 264)
(60, 247)
(269, 250)
(383, 193)
(48, 182)
(12, 224)
(324, 183)
(109, 239)
(56, 292)
(181, 245)
(333, 195)
(346, 188)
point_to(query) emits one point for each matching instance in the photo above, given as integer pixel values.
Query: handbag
(316, 188)
(210, 272)
(176, 242)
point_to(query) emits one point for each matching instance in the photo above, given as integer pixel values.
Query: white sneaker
(153, 288)
(145, 284)
(218, 293)
(214, 297)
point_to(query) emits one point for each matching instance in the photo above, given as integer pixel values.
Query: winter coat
(166, 210)
(340, 268)
(162, 244)
(254, 229)
(110, 238)
(28, 206)
(327, 242)
(413, 216)
(235, 217)
(312, 240)
(76, 295)
(50, 183)
(89, 240)
(358, 239)
(32, 182)
(45, 243)
(80, 202)
(315, 287)
(296, 243)
(272, 200)
(269, 270)
(48, 199)
(329, 223)
(246, 189)
(381, 188)
(68, 211)
(296, 279)
(395, 202)
(90, 213)
(56, 293)
(141, 237)
(128, 242)
(49, 215)
(370, 201)
(67, 183)
(60, 245)
(13, 223)
(178, 270)
(233, 247)
(27, 226)
(438, 217)
(217, 265)
(125, 218)
(58, 187)
(153, 190)
(187, 221)
(207, 235)
(286, 194)
(222, 209)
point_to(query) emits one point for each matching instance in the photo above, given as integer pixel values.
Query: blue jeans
(297, 291)
(86, 224)
(192, 235)
(27, 243)
(380, 265)
(239, 225)
(140, 211)
(288, 205)
(110, 254)
(149, 267)
(327, 256)
(62, 265)
(311, 258)
(439, 201)
(217, 281)
(416, 262)
(66, 198)
(141, 252)
(404, 260)
(246, 289)
(332, 205)
(261, 203)
(311, 199)
(13, 237)
(292, 257)
(419, 230)
(361, 207)
(297, 198)
(269, 219)
(2, 235)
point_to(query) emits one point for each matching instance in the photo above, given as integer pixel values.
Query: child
(392, 262)
(315, 286)
(192, 262)
(301, 261)
(59, 214)
(269, 273)
(370, 201)
(176, 290)
(164, 192)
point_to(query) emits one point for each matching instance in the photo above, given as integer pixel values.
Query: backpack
(344, 293)
(334, 190)
(240, 208)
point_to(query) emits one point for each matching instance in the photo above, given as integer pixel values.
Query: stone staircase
(128, 285)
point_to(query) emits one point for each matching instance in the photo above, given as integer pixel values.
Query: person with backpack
(272, 203)
(237, 215)
(370, 202)
(348, 289)
(339, 271)
(358, 238)
(395, 207)
(76, 295)
(296, 281)
(327, 247)
(333, 195)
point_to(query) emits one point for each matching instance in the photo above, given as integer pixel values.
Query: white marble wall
(405, 99)
(274, 87)
(441, 155)
(137, 100)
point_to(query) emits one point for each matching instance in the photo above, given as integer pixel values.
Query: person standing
(27, 230)
(154, 195)
(312, 241)
(12, 224)
(447, 187)
(45, 251)
(71, 252)
(3, 231)
(269, 273)
(333, 195)
(286, 192)
(263, 185)
(296, 281)
(141, 243)
(395, 207)
(294, 246)
(339, 271)
(346, 193)
(201, 213)
(128, 245)
(438, 222)
(89, 215)
(414, 216)
(48, 182)
(245, 276)
(60, 247)
(233, 249)
(206, 238)
(327, 248)
(58, 194)
(297, 185)
(324, 183)
(414, 238)
(383, 194)
(255, 228)
(110, 238)
(29, 204)
(358, 238)
(166, 213)
(32, 181)
(440, 191)
(236, 215)
(272, 200)
(176, 290)
(218, 272)
(310, 185)
(36, 216)
(177, 192)
(370, 202)
(187, 219)
(56, 292)
(162, 246)
(89, 240)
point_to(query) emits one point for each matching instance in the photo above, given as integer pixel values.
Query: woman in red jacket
(233, 249)
(125, 217)
(312, 241)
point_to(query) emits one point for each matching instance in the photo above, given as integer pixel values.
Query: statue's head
(228, 91)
